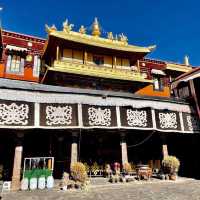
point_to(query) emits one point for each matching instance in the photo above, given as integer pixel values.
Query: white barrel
(41, 183)
(50, 182)
(33, 183)
(24, 184)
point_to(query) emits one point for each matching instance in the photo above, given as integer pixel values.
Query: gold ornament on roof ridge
(82, 30)
(123, 38)
(96, 28)
(67, 27)
(50, 29)
(110, 36)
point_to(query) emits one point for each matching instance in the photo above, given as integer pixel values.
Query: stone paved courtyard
(184, 189)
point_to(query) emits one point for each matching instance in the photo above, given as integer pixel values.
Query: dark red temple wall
(21, 41)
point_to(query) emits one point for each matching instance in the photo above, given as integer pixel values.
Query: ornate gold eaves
(178, 67)
(91, 70)
(100, 42)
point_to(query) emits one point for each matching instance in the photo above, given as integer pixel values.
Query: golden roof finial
(123, 38)
(50, 29)
(110, 36)
(95, 28)
(82, 30)
(67, 27)
(186, 60)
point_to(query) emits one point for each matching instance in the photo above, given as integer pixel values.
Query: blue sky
(173, 25)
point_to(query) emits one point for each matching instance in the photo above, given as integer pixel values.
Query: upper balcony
(93, 70)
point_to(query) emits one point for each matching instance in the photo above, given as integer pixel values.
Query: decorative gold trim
(92, 70)
(100, 42)
(178, 67)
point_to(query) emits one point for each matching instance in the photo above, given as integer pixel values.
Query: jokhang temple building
(82, 97)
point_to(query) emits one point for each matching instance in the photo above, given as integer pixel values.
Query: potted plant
(87, 168)
(33, 179)
(95, 168)
(25, 180)
(108, 170)
(170, 165)
(127, 169)
(79, 174)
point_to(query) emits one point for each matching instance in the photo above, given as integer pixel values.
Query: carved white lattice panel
(192, 123)
(136, 118)
(168, 120)
(58, 115)
(14, 114)
(99, 116)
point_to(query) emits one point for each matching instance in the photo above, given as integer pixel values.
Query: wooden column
(138, 66)
(115, 61)
(74, 148)
(193, 92)
(15, 184)
(124, 151)
(164, 146)
(85, 57)
(57, 53)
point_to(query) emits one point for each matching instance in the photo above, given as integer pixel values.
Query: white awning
(158, 72)
(49, 97)
(16, 48)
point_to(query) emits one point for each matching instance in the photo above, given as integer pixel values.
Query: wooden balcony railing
(97, 71)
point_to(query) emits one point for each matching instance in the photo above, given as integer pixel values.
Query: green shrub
(95, 168)
(27, 174)
(78, 172)
(170, 164)
(87, 167)
(36, 173)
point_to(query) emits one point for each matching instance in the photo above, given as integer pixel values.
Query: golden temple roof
(178, 67)
(119, 43)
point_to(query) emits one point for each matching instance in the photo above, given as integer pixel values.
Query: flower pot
(33, 183)
(173, 177)
(50, 182)
(24, 184)
(41, 183)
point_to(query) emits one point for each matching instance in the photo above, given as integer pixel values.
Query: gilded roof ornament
(152, 48)
(50, 29)
(82, 30)
(110, 36)
(96, 28)
(123, 38)
(67, 27)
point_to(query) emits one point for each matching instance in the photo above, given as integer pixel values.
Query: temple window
(98, 60)
(15, 64)
(125, 63)
(36, 66)
(77, 56)
(108, 61)
(119, 63)
(67, 55)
